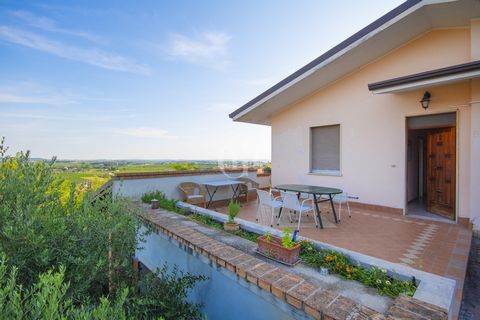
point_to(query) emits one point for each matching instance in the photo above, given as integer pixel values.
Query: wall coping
(164, 174)
(264, 174)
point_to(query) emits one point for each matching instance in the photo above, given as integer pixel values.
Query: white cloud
(94, 57)
(32, 116)
(98, 117)
(207, 48)
(14, 98)
(33, 93)
(145, 132)
(50, 25)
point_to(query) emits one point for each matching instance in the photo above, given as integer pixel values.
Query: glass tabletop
(308, 189)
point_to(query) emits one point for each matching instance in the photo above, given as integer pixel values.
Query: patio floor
(432, 246)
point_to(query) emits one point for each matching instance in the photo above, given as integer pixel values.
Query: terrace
(382, 237)
(431, 246)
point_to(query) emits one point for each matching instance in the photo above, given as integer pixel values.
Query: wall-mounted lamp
(425, 100)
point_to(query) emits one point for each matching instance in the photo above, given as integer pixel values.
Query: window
(325, 149)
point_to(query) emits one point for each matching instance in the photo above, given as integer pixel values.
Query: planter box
(275, 250)
(231, 226)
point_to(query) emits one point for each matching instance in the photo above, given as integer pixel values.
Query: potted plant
(233, 210)
(283, 249)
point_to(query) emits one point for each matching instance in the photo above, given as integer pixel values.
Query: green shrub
(233, 210)
(165, 292)
(338, 263)
(149, 196)
(163, 201)
(268, 236)
(208, 221)
(47, 225)
(48, 299)
(287, 238)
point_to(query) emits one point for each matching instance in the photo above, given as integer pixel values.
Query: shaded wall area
(224, 295)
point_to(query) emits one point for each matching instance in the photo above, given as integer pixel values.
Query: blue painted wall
(224, 295)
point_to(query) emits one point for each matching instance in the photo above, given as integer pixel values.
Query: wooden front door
(441, 172)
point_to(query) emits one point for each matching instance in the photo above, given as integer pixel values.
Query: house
(391, 115)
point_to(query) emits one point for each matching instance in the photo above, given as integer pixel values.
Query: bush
(338, 263)
(48, 225)
(233, 210)
(47, 299)
(149, 196)
(163, 201)
(165, 292)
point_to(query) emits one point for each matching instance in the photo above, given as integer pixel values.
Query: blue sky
(155, 79)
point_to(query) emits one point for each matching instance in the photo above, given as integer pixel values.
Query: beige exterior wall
(475, 131)
(373, 134)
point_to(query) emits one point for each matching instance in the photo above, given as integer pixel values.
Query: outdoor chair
(193, 193)
(291, 202)
(242, 192)
(343, 199)
(251, 185)
(266, 201)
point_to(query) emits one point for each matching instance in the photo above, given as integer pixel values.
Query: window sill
(326, 173)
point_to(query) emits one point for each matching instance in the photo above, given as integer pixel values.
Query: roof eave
(351, 42)
(430, 78)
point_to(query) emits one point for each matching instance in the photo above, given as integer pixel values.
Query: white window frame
(325, 172)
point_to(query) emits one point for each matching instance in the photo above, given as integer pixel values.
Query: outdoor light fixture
(425, 100)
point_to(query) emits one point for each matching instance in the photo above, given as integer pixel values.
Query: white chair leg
(262, 215)
(348, 208)
(340, 211)
(299, 219)
(315, 217)
(258, 211)
(273, 213)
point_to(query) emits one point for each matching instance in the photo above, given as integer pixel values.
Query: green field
(95, 173)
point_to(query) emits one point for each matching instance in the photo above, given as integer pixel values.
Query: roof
(405, 22)
(465, 70)
(372, 26)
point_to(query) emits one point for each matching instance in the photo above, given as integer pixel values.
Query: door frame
(405, 151)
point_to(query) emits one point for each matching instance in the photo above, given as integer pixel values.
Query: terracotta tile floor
(432, 246)
(422, 244)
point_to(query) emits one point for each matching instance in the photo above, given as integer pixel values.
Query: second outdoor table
(315, 191)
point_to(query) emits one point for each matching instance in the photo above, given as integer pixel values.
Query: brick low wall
(318, 302)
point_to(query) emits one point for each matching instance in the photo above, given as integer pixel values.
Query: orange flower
(330, 258)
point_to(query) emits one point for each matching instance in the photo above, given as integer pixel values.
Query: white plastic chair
(291, 202)
(267, 200)
(343, 199)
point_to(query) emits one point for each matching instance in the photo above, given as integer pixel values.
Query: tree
(46, 224)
